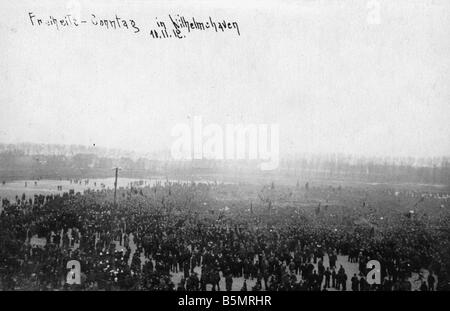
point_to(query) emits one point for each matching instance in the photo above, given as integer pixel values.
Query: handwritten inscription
(173, 26)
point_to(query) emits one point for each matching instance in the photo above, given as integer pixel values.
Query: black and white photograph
(229, 146)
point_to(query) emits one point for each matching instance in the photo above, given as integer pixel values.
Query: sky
(358, 77)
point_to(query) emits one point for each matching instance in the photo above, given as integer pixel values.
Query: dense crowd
(281, 238)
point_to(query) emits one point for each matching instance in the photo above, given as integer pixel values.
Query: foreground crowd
(153, 233)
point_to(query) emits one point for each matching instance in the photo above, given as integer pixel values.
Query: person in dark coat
(355, 283)
(229, 282)
(363, 285)
(327, 274)
(424, 287)
(431, 281)
(333, 278)
(244, 286)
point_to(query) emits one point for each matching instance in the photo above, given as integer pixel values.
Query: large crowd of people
(281, 238)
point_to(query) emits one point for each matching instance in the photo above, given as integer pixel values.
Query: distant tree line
(18, 163)
(431, 171)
